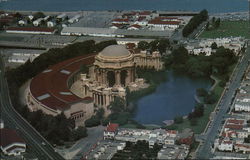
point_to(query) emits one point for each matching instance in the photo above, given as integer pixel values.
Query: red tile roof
(141, 18)
(112, 127)
(243, 145)
(14, 147)
(136, 26)
(227, 142)
(167, 18)
(34, 29)
(117, 25)
(9, 136)
(145, 13)
(54, 83)
(120, 20)
(129, 14)
(234, 126)
(235, 121)
(229, 133)
(171, 131)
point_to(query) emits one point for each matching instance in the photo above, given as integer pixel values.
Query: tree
(198, 112)
(143, 45)
(78, 133)
(93, 121)
(207, 26)
(213, 19)
(210, 98)
(100, 113)
(39, 15)
(118, 105)
(214, 45)
(217, 23)
(163, 45)
(201, 92)
(247, 140)
(178, 119)
(153, 45)
(18, 15)
(180, 55)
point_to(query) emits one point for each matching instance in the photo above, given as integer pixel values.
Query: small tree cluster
(198, 112)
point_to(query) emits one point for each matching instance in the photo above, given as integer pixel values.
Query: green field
(228, 29)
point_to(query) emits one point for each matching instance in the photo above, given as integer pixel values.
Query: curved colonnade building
(112, 70)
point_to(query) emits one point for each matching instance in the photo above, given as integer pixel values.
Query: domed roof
(114, 51)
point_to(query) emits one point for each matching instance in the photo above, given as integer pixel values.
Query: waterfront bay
(175, 97)
(213, 6)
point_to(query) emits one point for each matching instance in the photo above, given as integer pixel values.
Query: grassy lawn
(128, 126)
(228, 29)
(202, 121)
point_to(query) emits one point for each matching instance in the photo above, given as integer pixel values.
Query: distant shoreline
(82, 11)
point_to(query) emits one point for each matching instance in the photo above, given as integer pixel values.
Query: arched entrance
(124, 74)
(111, 78)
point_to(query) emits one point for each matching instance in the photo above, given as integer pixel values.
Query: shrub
(201, 92)
(178, 119)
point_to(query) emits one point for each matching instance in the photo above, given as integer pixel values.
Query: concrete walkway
(216, 81)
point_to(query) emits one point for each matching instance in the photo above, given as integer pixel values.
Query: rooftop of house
(9, 136)
(112, 127)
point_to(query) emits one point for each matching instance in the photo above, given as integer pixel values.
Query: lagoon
(172, 98)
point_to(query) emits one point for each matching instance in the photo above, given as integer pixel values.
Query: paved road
(12, 119)
(177, 35)
(204, 151)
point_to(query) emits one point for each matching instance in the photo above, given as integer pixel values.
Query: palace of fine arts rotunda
(106, 76)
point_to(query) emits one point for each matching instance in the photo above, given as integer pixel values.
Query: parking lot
(97, 19)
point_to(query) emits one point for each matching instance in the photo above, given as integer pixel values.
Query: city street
(204, 151)
(35, 142)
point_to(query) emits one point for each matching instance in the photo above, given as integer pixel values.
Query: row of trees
(53, 56)
(195, 22)
(215, 23)
(44, 123)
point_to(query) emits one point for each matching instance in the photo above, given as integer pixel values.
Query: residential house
(110, 131)
(134, 27)
(11, 143)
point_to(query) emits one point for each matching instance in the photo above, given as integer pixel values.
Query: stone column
(118, 78)
(105, 77)
(128, 78)
(104, 99)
